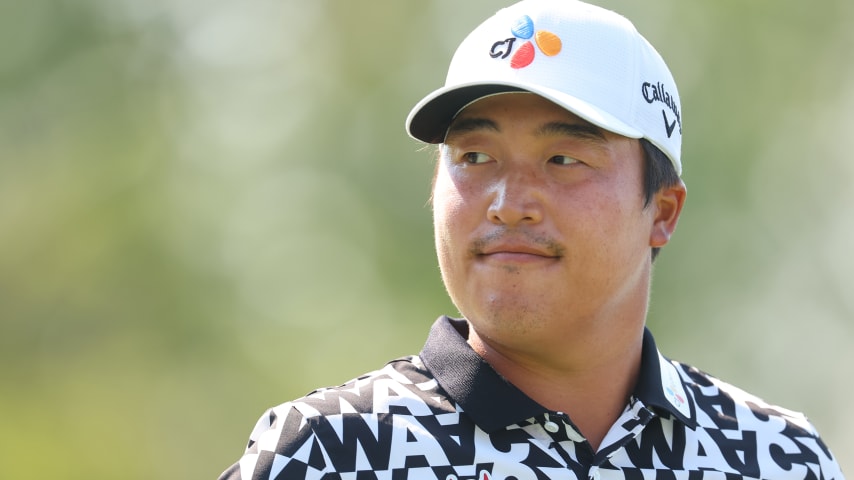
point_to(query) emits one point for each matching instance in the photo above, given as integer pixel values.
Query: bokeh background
(211, 207)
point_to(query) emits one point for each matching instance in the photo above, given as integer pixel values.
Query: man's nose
(516, 199)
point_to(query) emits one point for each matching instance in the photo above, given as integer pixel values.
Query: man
(557, 181)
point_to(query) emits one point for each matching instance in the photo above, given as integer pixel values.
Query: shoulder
(405, 382)
(746, 425)
(311, 434)
(725, 405)
(402, 384)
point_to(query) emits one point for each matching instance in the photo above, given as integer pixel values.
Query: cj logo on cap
(523, 29)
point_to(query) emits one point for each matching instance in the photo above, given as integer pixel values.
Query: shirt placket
(628, 427)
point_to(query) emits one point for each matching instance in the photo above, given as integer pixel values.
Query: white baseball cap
(587, 59)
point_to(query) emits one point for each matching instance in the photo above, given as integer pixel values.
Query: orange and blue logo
(523, 30)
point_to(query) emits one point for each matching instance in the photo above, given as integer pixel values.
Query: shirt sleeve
(830, 468)
(282, 445)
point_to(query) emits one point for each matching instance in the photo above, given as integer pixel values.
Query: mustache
(527, 237)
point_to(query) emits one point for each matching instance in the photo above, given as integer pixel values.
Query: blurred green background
(211, 207)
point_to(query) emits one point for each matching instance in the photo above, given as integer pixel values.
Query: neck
(590, 377)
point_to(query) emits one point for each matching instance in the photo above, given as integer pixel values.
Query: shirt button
(551, 427)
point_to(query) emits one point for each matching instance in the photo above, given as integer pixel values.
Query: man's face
(539, 220)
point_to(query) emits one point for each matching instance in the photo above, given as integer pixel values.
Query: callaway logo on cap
(589, 60)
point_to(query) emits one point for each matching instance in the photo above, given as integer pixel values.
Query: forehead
(510, 100)
(520, 112)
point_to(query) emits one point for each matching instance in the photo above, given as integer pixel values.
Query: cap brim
(430, 118)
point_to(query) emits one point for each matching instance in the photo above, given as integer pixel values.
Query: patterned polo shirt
(446, 414)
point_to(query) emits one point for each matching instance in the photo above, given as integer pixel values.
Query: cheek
(451, 197)
(604, 223)
(448, 206)
(455, 219)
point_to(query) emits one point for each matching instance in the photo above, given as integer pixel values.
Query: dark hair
(658, 173)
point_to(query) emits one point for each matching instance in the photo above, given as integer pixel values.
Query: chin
(508, 319)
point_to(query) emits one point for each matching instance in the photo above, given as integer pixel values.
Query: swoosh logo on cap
(668, 125)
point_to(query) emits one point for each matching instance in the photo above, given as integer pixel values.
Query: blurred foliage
(210, 207)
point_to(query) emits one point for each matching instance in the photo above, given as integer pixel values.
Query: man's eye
(476, 157)
(562, 160)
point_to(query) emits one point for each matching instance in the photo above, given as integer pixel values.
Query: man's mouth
(527, 248)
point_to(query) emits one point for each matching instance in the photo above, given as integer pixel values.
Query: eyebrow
(582, 131)
(471, 124)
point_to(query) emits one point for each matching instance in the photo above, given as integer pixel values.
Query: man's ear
(667, 203)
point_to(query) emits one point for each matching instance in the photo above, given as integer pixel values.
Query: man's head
(546, 201)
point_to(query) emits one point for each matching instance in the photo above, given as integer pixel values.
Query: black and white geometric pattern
(447, 415)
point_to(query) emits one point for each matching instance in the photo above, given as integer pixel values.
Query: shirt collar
(660, 385)
(475, 385)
